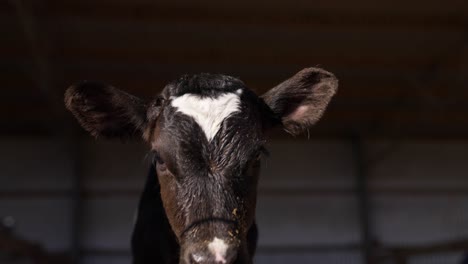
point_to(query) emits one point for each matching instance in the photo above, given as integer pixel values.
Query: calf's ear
(106, 111)
(300, 101)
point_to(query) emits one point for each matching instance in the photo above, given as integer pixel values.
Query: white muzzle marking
(218, 248)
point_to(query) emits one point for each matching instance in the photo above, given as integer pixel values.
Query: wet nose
(216, 252)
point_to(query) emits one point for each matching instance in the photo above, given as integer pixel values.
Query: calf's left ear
(301, 100)
(106, 111)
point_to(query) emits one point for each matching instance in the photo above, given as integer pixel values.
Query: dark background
(383, 178)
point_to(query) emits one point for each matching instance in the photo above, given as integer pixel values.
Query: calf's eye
(160, 164)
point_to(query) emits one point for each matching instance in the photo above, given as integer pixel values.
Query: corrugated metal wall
(307, 210)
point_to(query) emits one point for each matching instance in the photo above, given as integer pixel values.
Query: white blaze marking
(218, 248)
(208, 112)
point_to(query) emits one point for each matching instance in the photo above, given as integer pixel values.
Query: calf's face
(207, 134)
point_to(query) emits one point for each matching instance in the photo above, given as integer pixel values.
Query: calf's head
(207, 134)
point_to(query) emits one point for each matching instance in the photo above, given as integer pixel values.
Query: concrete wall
(307, 210)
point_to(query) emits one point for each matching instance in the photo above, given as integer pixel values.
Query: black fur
(204, 84)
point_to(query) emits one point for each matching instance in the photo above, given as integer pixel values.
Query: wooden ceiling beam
(286, 15)
(136, 39)
(138, 58)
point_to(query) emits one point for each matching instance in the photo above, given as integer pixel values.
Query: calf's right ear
(105, 111)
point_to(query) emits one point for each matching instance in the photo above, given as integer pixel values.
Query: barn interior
(381, 179)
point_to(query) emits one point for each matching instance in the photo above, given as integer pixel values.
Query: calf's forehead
(209, 100)
(208, 112)
(214, 119)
